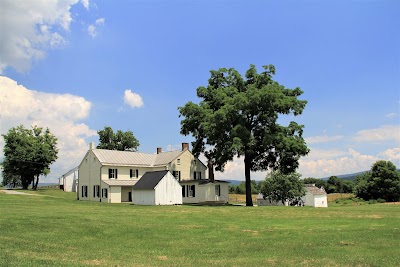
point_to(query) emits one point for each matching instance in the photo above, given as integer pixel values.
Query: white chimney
(91, 146)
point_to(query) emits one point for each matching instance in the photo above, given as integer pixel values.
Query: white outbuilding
(315, 197)
(69, 181)
(157, 188)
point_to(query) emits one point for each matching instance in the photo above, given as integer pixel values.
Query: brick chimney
(185, 146)
(159, 150)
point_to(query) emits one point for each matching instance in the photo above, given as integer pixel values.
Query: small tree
(28, 154)
(383, 181)
(283, 187)
(122, 141)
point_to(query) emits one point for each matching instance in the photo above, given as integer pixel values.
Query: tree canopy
(283, 187)
(123, 141)
(382, 182)
(239, 117)
(28, 153)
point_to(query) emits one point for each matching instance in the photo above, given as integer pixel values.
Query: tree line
(382, 182)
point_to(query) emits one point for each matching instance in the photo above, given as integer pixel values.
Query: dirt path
(15, 192)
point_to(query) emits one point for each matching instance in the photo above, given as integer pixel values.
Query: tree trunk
(25, 183)
(210, 166)
(37, 181)
(247, 164)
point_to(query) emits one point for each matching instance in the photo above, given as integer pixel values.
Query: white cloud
(92, 28)
(132, 99)
(384, 133)
(85, 3)
(61, 113)
(29, 28)
(323, 139)
(391, 115)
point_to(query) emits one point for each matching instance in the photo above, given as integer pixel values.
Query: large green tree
(123, 141)
(283, 187)
(382, 182)
(28, 153)
(239, 117)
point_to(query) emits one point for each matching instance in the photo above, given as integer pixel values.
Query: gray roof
(128, 158)
(203, 181)
(120, 182)
(150, 180)
(315, 190)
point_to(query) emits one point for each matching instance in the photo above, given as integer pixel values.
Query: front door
(130, 196)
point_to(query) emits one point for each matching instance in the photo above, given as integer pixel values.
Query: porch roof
(120, 182)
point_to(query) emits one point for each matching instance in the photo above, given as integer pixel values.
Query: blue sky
(77, 66)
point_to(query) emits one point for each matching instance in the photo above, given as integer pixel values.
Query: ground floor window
(104, 193)
(188, 191)
(96, 191)
(218, 190)
(84, 191)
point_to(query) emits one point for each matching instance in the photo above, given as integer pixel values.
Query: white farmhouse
(69, 181)
(109, 176)
(315, 197)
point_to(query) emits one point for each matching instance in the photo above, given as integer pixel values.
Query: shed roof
(203, 181)
(129, 158)
(315, 190)
(150, 180)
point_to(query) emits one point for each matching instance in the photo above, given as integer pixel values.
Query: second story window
(197, 175)
(112, 173)
(134, 173)
(177, 175)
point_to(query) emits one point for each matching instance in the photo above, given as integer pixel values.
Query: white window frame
(104, 192)
(112, 173)
(133, 173)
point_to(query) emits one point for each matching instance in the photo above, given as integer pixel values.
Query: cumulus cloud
(132, 99)
(383, 133)
(29, 28)
(61, 113)
(92, 28)
(323, 139)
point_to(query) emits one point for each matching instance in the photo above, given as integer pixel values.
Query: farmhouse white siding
(203, 191)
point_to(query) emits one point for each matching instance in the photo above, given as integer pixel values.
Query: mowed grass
(54, 229)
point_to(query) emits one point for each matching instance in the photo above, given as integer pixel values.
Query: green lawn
(54, 229)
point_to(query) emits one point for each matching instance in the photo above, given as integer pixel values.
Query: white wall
(168, 191)
(320, 201)
(143, 197)
(114, 194)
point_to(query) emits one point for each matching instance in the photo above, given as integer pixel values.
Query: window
(112, 173)
(178, 161)
(177, 175)
(84, 191)
(104, 193)
(134, 173)
(218, 190)
(96, 191)
(191, 190)
(197, 175)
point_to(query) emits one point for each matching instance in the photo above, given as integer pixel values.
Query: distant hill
(233, 182)
(351, 177)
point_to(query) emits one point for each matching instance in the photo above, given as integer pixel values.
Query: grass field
(53, 229)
